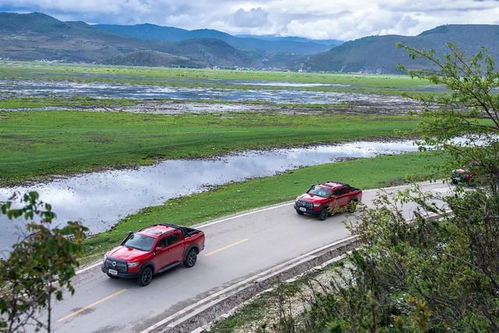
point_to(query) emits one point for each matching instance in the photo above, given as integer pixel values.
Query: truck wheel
(145, 277)
(190, 259)
(352, 206)
(323, 214)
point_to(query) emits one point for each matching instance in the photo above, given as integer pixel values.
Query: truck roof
(157, 230)
(332, 184)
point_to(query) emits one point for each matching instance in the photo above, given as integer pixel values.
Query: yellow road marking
(91, 305)
(226, 247)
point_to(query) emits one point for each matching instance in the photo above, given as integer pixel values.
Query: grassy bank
(42, 143)
(235, 197)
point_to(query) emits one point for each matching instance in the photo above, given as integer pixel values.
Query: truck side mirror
(130, 234)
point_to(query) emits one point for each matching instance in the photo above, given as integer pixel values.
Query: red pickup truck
(152, 250)
(328, 198)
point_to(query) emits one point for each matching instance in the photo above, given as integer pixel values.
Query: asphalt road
(236, 247)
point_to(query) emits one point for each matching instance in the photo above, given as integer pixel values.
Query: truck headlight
(132, 264)
(317, 204)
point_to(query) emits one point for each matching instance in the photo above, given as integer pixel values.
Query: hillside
(378, 54)
(153, 59)
(268, 44)
(38, 36)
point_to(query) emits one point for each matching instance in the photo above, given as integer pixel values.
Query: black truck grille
(118, 265)
(303, 203)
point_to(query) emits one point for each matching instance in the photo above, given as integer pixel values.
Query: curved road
(236, 247)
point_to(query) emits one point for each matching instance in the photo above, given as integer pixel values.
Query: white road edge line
(88, 268)
(241, 283)
(262, 210)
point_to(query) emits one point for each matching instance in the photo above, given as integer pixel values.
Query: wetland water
(101, 199)
(115, 90)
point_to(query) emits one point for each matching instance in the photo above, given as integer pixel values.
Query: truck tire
(191, 258)
(352, 206)
(145, 276)
(323, 214)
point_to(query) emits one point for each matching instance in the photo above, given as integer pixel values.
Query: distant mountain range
(38, 36)
(378, 54)
(270, 44)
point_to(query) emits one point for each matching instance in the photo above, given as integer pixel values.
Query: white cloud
(338, 19)
(255, 17)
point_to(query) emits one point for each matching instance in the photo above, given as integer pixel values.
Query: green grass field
(181, 77)
(42, 143)
(364, 173)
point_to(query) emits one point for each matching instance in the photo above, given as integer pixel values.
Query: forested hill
(37, 36)
(378, 54)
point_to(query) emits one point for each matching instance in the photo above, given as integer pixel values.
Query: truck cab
(327, 198)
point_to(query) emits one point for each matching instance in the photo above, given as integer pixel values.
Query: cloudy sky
(320, 19)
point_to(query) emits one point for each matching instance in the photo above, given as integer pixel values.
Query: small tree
(39, 267)
(469, 111)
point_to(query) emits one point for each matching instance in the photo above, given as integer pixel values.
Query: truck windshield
(320, 191)
(139, 242)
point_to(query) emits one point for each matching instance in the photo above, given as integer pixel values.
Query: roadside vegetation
(430, 275)
(34, 145)
(272, 307)
(258, 192)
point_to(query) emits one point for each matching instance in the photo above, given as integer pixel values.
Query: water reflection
(116, 90)
(101, 199)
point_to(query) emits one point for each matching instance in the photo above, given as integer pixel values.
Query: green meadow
(37, 144)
